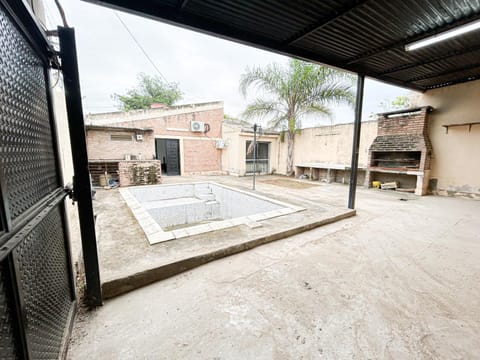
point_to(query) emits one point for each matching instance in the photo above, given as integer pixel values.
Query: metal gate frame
(37, 283)
(82, 186)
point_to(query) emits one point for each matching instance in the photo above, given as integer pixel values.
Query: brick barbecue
(402, 150)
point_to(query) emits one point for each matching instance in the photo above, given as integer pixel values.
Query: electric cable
(140, 46)
(62, 13)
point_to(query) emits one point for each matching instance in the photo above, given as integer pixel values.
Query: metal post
(356, 140)
(254, 153)
(82, 185)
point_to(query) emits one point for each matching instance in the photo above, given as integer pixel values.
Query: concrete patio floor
(397, 281)
(121, 239)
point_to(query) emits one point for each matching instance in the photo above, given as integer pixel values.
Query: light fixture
(475, 25)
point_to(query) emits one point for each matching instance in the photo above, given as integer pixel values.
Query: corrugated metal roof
(364, 36)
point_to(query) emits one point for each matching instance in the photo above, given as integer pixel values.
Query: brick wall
(179, 124)
(139, 172)
(100, 146)
(197, 150)
(415, 124)
(201, 156)
(404, 133)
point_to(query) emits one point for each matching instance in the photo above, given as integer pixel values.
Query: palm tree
(294, 91)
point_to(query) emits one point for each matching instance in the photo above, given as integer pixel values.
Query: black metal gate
(37, 292)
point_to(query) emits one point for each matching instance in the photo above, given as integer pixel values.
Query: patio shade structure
(367, 37)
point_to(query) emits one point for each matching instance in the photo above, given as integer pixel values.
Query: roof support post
(356, 140)
(82, 185)
(255, 128)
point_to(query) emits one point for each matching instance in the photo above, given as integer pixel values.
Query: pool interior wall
(182, 204)
(167, 212)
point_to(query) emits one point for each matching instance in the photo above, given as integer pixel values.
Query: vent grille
(121, 137)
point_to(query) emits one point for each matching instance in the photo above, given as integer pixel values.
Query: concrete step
(206, 196)
(202, 188)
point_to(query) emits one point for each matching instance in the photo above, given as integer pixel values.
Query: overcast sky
(206, 68)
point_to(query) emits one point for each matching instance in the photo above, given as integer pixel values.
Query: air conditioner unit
(139, 137)
(220, 144)
(197, 126)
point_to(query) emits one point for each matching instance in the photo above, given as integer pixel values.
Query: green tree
(400, 102)
(149, 90)
(292, 92)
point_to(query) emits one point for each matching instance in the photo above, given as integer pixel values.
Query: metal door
(173, 157)
(37, 291)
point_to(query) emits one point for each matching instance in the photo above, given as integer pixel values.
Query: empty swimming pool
(167, 212)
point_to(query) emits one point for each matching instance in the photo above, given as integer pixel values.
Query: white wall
(456, 155)
(234, 154)
(332, 144)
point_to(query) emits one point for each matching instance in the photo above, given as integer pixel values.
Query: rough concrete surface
(398, 281)
(128, 261)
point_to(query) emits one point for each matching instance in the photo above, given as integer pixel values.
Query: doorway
(263, 157)
(168, 152)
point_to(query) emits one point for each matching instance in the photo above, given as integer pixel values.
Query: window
(262, 165)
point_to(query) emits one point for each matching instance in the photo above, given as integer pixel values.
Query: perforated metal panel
(7, 338)
(36, 291)
(43, 272)
(26, 148)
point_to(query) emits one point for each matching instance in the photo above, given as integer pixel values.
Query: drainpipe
(356, 140)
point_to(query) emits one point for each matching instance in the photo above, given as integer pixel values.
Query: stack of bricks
(140, 172)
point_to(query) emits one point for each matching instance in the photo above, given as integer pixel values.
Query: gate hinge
(69, 191)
